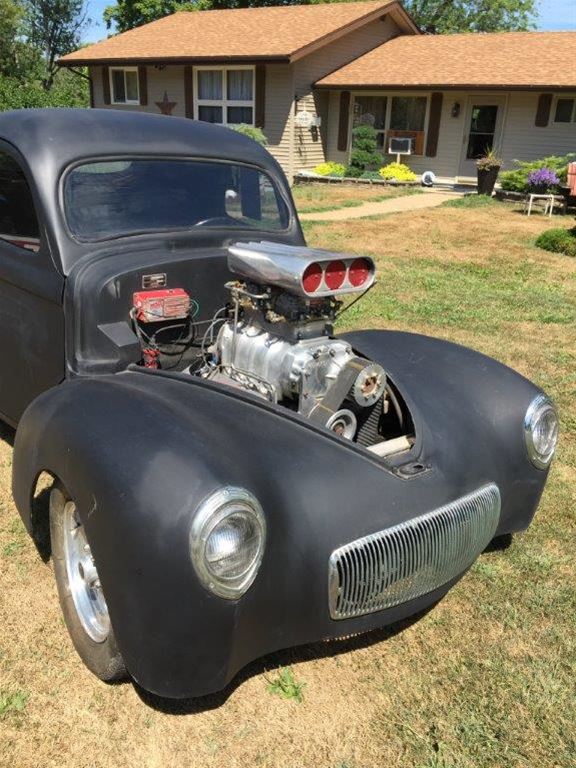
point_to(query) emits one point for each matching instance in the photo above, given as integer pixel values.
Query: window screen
(564, 111)
(408, 113)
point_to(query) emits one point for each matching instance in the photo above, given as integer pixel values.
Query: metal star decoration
(166, 106)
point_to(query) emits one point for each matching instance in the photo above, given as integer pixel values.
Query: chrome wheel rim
(83, 580)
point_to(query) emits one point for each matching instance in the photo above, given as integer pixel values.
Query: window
(565, 111)
(18, 220)
(482, 130)
(124, 85)
(108, 199)
(408, 113)
(225, 96)
(393, 116)
(371, 110)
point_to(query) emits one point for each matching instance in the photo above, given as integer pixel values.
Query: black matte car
(231, 477)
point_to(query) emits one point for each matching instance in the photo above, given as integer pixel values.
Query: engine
(275, 340)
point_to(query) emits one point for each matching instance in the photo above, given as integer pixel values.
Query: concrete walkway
(394, 205)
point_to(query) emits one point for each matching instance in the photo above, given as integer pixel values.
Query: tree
(127, 14)
(439, 16)
(448, 16)
(10, 21)
(53, 27)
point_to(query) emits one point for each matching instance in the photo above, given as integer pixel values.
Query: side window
(18, 220)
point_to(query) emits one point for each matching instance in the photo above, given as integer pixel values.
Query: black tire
(102, 658)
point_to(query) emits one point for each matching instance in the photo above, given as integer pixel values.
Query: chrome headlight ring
(541, 431)
(227, 541)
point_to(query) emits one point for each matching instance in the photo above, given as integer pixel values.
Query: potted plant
(488, 167)
(543, 181)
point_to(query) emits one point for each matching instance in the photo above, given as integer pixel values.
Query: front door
(484, 119)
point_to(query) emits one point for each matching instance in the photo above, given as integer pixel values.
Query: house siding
(279, 109)
(312, 144)
(169, 80)
(524, 141)
(521, 139)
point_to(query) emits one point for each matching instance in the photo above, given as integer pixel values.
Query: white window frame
(224, 102)
(389, 95)
(564, 97)
(128, 102)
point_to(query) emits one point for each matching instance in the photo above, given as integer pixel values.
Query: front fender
(468, 410)
(139, 451)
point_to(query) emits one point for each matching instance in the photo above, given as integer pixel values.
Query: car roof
(67, 135)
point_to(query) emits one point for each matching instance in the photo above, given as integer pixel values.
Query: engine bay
(274, 338)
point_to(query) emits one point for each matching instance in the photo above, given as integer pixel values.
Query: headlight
(227, 541)
(541, 431)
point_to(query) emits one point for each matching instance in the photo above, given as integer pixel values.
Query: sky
(554, 14)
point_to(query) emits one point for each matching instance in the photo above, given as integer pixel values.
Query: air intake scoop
(308, 272)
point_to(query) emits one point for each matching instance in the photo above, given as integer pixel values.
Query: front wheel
(80, 592)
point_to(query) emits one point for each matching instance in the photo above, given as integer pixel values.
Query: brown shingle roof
(280, 32)
(498, 60)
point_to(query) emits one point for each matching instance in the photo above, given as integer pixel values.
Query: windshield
(114, 198)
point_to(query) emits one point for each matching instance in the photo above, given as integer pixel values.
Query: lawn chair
(569, 191)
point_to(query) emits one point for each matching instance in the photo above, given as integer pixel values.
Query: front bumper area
(413, 558)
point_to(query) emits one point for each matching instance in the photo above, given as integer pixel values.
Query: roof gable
(474, 60)
(272, 33)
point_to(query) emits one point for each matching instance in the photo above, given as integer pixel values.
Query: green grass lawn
(319, 197)
(484, 680)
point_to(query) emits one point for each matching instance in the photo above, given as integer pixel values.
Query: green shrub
(397, 172)
(371, 176)
(517, 179)
(364, 156)
(330, 169)
(256, 134)
(558, 241)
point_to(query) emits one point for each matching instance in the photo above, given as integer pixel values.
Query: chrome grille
(412, 558)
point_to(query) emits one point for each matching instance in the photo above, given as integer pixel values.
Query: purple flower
(543, 179)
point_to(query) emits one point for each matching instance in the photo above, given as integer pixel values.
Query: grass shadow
(7, 434)
(274, 661)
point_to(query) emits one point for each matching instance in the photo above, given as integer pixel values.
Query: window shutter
(343, 121)
(543, 111)
(106, 85)
(189, 91)
(143, 86)
(260, 96)
(434, 124)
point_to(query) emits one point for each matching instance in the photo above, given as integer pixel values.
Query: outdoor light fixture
(456, 109)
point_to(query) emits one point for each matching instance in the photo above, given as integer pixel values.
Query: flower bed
(310, 176)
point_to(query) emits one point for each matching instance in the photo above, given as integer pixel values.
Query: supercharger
(277, 340)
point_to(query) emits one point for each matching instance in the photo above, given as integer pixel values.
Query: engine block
(304, 369)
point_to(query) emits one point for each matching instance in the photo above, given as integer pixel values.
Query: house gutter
(442, 87)
(130, 61)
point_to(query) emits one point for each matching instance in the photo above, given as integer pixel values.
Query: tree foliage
(53, 27)
(127, 14)
(438, 16)
(33, 34)
(449, 16)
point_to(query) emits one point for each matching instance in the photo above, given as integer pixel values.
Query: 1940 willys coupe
(230, 477)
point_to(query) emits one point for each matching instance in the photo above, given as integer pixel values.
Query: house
(308, 74)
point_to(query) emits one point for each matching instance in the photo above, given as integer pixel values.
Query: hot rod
(230, 476)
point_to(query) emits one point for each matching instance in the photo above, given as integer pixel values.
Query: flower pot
(487, 179)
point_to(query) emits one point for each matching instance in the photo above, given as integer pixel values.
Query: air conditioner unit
(400, 146)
